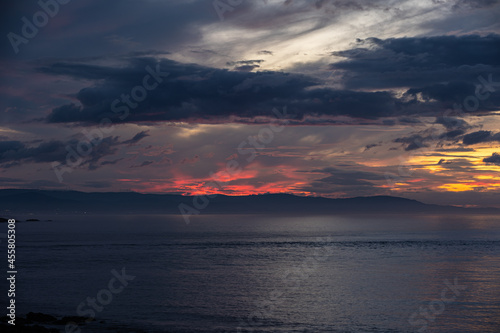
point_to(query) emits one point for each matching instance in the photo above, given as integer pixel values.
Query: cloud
(444, 68)
(452, 134)
(98, 184)
(10, 181)
(443, 161)
(43, 184)
(344, 177)
(113, 162)
(17, 151)
(428, 68)
(372, 145)
(138, 137)
(422, 139)
(193, 160)
(143, 164)
(415, 141)
(246, 68)
(195, 93)
(113, 28)
(494, 159)
(468, 4)
(453, 123)
(455, 150)
(245, 62)
(345, 180)
(480, 137)
(12, 153)
(201, 94)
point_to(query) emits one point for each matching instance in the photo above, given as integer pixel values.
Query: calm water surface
(266, 274)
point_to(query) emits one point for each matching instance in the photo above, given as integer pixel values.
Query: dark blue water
(264, 274)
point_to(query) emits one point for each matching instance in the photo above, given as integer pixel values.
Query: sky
(314, 98)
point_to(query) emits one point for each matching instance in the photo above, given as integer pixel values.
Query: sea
(261, 273)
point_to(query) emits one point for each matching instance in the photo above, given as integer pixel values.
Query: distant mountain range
(42, 201)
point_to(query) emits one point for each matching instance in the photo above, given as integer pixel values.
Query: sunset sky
(320, 98)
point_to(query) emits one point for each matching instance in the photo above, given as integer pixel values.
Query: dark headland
(41, 201)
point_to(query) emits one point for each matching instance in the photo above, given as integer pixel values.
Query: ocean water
(264, 273)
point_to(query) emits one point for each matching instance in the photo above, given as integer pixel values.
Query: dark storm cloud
(439, 71)
(246, 68)
(107, 147)
(245, 65)
(459, 93)
(442, 67)
(480, 137)
(424, 138)
(143, 164)
(425, 53)
(370, 146)
(455, 129)
(138, 137)
(415, 141)
(494, 159)
(453, 91)
(452, 134)
(443, 161)
(113, 162)
(245, 62)
(455, 150)
(13, 153)
(197, 93)
(453, 123)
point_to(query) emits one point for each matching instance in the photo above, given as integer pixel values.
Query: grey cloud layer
(202, 94)
(441, 68)
(428, 68)
(13, 153)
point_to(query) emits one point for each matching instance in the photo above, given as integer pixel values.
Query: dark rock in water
(32, 220)
(40, 317)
